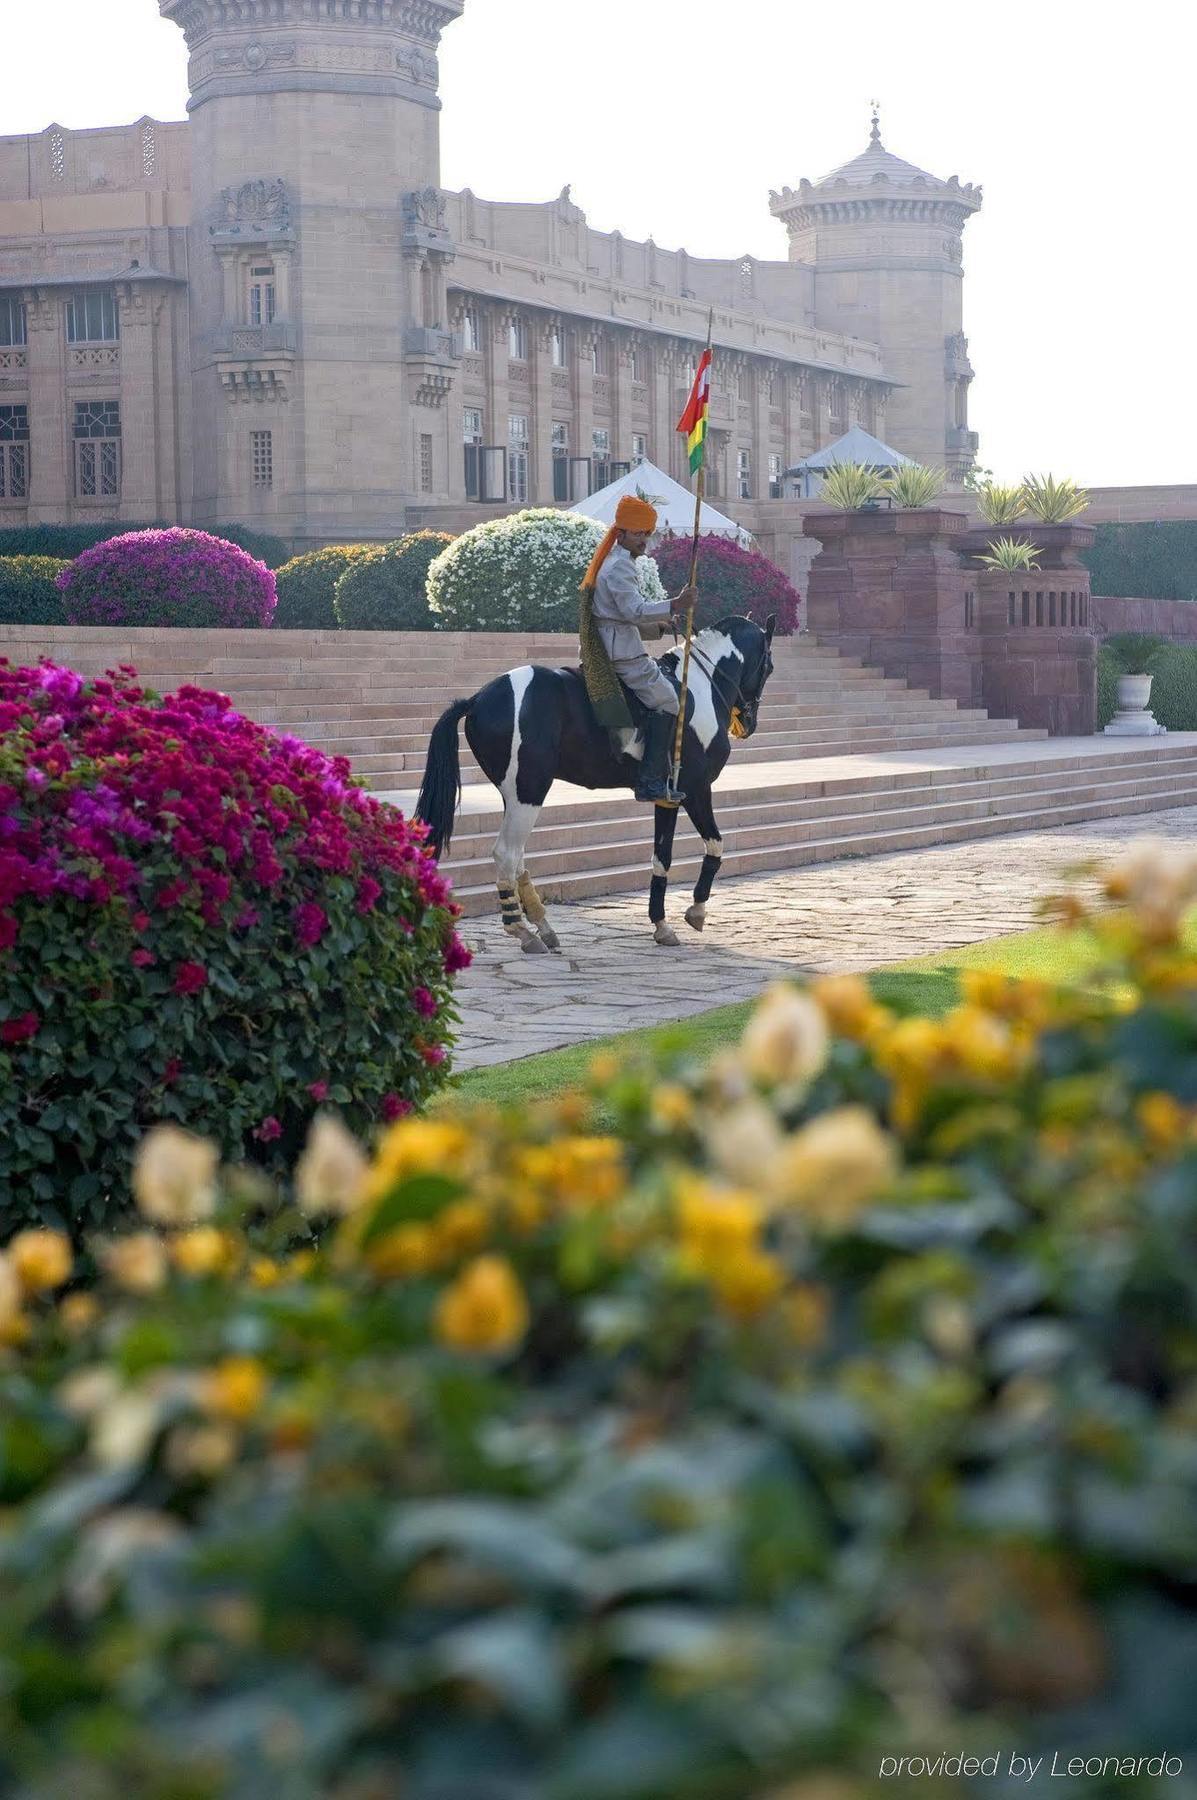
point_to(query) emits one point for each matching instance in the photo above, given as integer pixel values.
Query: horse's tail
(440, 790)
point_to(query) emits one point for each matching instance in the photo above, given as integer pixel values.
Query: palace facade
(273, 313)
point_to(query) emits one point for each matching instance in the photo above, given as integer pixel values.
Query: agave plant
(1052, 501)
(1010, 554)
(911, 484)
(1001, 505)
(850, 486)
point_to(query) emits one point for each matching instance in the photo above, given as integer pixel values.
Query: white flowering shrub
(520, 573)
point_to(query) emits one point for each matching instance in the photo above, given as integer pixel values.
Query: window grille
(97, 449)
(425, 462)
(744, 474)
(639, 447)
(261, 449)
(14, 452)
(776, 482)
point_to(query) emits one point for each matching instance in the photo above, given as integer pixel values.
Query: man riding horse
(537, 725)
(611, 592)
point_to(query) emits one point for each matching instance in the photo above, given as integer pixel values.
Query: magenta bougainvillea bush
(174, 577)
(730, 580)
(203, 922)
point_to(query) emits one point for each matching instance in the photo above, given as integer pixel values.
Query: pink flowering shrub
(173, 577)
(199, 921)
(730, 580)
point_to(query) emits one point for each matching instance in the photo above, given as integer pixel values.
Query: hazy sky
(676, 117)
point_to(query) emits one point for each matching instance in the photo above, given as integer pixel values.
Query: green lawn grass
(925, 984)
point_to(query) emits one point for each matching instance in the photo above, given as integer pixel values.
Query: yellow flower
(410, 1249)
(78, 1313)
(419, 1147)
(204, 1450)
(912, 1048)
(174, 1177)
(485, 1311)
(744, 1139)
(41, 1260)
(848, 1003)
(1163, 1119)
(715, 1223)
(671, 1108)
(263, 1272)
(982, 1045)
(235, 1388)
(832, 1168)
(300, 1263)
(806, 1314)
(462, 1227)
(203, 1251)
(330, 1176)
(747, 1281)
(137, 1263)
(786, 1040)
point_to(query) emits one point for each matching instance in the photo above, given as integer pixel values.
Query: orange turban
(632, 514)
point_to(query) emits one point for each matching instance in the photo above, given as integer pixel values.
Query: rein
(735, 726)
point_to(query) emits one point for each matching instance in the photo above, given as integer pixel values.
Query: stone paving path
(855, 914)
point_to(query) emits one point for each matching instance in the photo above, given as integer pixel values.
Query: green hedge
(70, 541)
(1154, 561)
(1174, 687)
(28, 595)
(387, 591)
(307, 585)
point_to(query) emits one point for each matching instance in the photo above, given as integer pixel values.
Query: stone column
(51, 478)
(888, 587)
(583, 373)
(541, 425)
(141, 306)
(621, 400)
(495, 429)
(664, 417)
(762, 433)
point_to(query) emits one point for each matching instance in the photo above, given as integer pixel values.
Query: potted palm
(912, 485)
(1132, 653)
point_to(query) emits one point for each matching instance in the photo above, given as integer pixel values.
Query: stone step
(475, 893)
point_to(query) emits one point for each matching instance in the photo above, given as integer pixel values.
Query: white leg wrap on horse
(713, 846)
(659, 867)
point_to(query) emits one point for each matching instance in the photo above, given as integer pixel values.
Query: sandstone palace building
(274, 313)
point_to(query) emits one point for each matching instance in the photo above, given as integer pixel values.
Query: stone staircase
(375, 697)
(846, 762)
(785, 815)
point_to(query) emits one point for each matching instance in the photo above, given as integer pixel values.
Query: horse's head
(755, 644)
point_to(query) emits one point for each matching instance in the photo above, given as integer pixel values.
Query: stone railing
(13, 361)
(92, 359)
(1176, 619)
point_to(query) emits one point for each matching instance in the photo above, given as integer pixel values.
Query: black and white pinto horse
(536, 725)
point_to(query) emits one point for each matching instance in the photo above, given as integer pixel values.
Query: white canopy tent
(674, 504)
(856, 446)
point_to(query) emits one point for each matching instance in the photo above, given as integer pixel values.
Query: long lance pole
(699, 495)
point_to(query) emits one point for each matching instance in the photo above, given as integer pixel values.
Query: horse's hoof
(667, 937)
(549, 938)
(696, 916)
(532, 946)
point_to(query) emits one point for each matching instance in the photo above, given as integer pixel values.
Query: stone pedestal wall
(888, 587)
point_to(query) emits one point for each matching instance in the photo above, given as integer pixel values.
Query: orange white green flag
(693, 422)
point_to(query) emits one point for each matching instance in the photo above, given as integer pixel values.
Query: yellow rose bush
(704, 1434)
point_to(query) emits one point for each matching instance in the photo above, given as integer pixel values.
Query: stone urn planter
(1133, 718)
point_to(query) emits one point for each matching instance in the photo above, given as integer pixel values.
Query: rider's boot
(659, 737)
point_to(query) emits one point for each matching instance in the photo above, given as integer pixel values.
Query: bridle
(735, 721)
